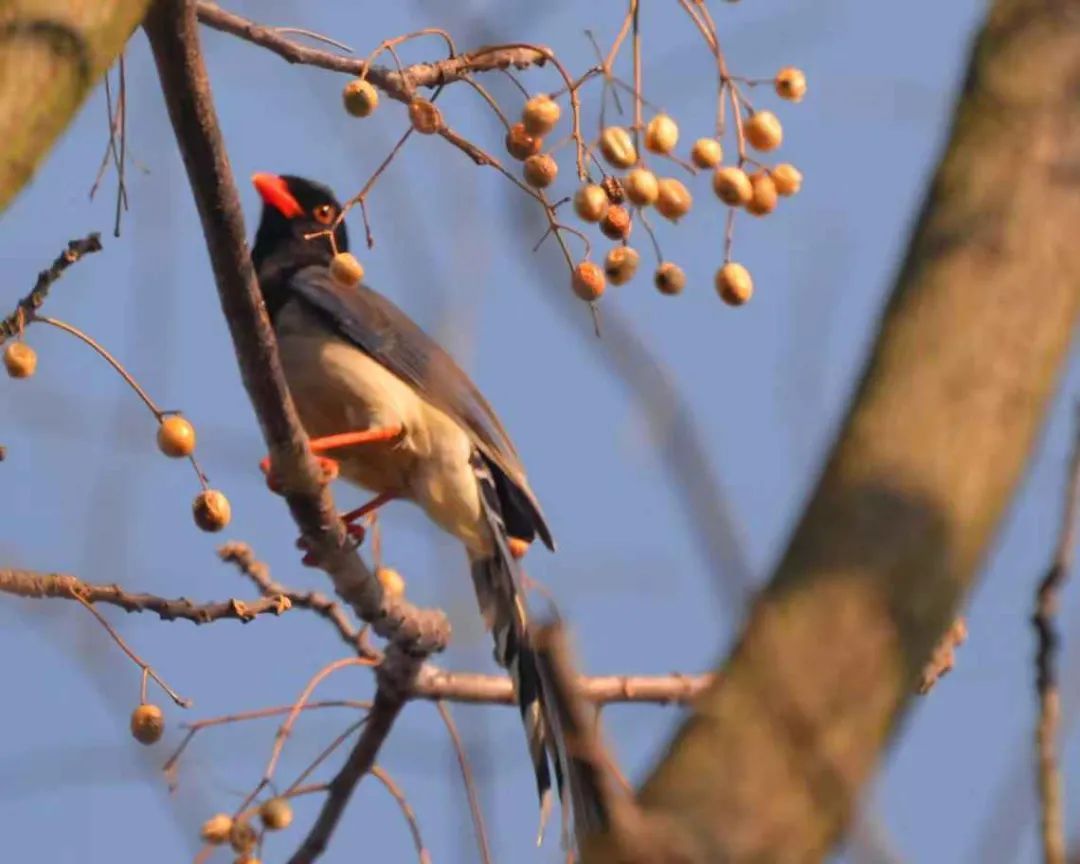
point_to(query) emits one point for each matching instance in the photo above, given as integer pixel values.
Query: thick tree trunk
(769, 765)
(51, 53)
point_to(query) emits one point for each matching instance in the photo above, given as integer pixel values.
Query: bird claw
(329, 470)
(311, 558)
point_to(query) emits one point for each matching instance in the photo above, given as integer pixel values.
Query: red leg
(371, 506)
(333, 442)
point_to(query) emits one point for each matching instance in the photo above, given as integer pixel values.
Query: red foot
(310, 559)
(330, 468)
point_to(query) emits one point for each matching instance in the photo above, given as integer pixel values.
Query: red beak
(275, 192)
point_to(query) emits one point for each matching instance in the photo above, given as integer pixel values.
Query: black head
(293, 210)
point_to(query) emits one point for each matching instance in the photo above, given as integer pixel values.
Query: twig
(470, 783)
(1051, 791)
(76, 249)
(406, 810)
(943, 659)
(26, 583)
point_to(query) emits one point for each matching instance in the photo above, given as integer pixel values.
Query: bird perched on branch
(404, 421)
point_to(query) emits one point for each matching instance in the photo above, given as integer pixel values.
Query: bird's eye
(324, 214)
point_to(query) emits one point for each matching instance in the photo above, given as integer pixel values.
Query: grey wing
(380, 329)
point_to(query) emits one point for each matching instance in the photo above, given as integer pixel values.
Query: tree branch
(25, 583)
(173, 32)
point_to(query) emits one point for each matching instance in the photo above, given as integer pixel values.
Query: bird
(405, 422)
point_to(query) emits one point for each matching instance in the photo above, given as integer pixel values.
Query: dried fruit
(662, 134)
(393, 583)
(787, 179)
(616, 223)
(620, 264)
(346, 270)
(641, 186)
(147, 724)
(211, 510)
(176, 437)
(733, 284)
(242, 836)
(215, 830)
(707, 153)
(732, 186)
(674, 199)
(764, 131)
(540, 170)
(20, 360)
(614, 189)
(360, 98)
(763, 200)
(276, 813)
(591, 202)
(588, 281)
(425, 116)
(540, 115)
(618, 147)
(790, 84)
(669, 278)
(520, 144)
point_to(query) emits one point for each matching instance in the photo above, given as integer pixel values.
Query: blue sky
(764, 386)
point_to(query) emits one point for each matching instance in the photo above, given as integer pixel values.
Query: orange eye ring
(324, 214)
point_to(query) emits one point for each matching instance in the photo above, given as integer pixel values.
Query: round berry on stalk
(215, 830)
(787, 179)
(669, 278)
(540, 115)
(211, 510)
(147, 724)
(591, 202)
(707, 153)
(276, 813)
(392, 582)
(661, 135)
(20, 360)
(673, 200)
(620, 264)
(360, 98)
(616, 223)
(790, 84)
(242, 836)
(763, 200)
(642, 187)
(425, 116)
(733, 284)
(345, 270)
(618, 147)
(764, 131)
(520, 144)
(732, 186)
(176, 437)
(588, 281)
(540, 170)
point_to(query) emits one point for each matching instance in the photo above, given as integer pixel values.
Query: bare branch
(470, 783)
(943, 659)
(406, 811)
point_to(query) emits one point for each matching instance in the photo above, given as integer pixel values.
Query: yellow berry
(787, 178)
(662, 134)
(618, 147)
(673, 200)
(620, 264)
(588, 281)
(147, 724)
(361, 99)
(591, 202)
(641, 187)
(215, 830)
(763, 200)
(732, 186)
(540, 115)
(211, 510)
(176, 437)
(669, 278)
(247, 858)
(707, 153)
(20, 360)
(520, 144)
(345, 270)
(242, 836)
(540, 170)
(276, 814)
(393, 583)
(764, 131)
(790, 84)
(425, 116)
(733, 284)
(616, 223)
